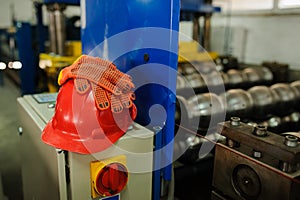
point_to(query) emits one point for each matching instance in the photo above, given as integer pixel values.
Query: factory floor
(10, 160)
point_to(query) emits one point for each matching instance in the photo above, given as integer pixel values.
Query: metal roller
(286, 98)
(214, 80)
(272, 106)
(203, 108)
(228, 62)
(286, 123)
(207, 108)
(265, 74)
(251, 76)
(204, 67)
(260, 103)
(235, 79)
(264, 101)
(238, 103)
(186, 68)
(195, 81)
(292, 122)
(190, 85)
(296, 88)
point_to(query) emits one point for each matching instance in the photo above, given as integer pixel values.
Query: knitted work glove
(111, 87)
(101, 72)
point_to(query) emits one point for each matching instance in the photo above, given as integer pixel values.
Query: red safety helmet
(79, 126)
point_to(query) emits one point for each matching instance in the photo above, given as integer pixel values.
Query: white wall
(273, 38)
(22, 8)
(257, 38)
(24, 11)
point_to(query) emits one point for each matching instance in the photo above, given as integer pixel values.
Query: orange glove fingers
(81, 85)
(102, 83)
(125, 100)
(95, 74)
(116, 106)
(117, 74)
(102, 100)
(123, 84)
(117, 77)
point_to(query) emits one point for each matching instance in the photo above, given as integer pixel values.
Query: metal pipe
(57, 28)
(60, 31)
(196, 28)
(206, 32)
(51, 29)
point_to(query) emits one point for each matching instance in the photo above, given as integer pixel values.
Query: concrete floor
(10, 160)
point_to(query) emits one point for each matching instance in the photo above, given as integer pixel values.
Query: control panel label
(115, 197)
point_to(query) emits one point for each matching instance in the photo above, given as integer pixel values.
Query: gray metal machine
(49, 173)
(255, 164)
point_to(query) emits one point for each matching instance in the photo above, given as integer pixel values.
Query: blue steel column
(1, 79)
(41, 32)
(26, 56)
(103, 19)
(1, 73)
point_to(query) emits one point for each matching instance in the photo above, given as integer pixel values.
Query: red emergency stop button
(108, 177)
(111, 179)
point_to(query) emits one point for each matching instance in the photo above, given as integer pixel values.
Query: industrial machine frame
(50, 173)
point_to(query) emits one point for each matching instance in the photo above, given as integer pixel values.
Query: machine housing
(49, 173)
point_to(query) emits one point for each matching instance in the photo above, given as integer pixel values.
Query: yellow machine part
(53, 63)
(97, 166)
(189, 52)
(73, 48)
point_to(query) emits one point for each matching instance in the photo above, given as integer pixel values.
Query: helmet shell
(79, 126)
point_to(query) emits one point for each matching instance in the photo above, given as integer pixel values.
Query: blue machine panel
(69, 2)
(27, 58)
(198, 6)
(141, 38)
(116, 197)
